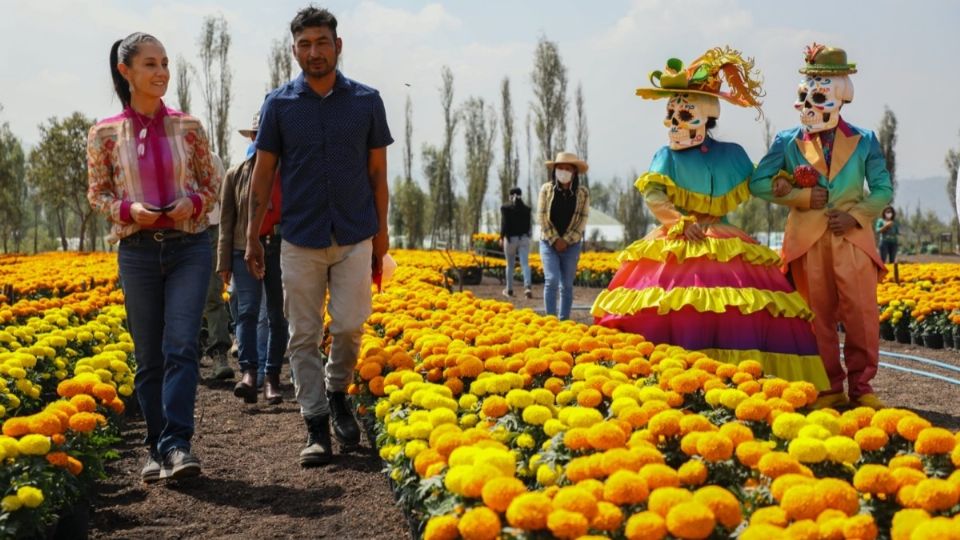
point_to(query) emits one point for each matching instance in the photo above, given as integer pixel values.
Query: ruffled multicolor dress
(724, 296)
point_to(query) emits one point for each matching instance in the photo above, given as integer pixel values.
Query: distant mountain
(929, 193)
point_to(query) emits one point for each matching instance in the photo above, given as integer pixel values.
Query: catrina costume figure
(697, 281)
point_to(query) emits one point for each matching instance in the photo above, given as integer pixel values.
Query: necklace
(142, 134)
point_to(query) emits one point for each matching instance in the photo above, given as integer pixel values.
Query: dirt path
(253, 487)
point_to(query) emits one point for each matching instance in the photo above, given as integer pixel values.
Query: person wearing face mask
(515, 239)
(150, 173)
(887, 232)
(562, 211)
(818, 170)
(697, 281)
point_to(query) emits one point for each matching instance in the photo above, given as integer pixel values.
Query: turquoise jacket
(856, 156)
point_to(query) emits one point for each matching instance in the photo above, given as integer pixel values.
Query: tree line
(42, 192)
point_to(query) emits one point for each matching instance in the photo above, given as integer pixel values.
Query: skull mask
(819, 100)
(687, 116)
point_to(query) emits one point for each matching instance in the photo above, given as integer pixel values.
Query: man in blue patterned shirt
(329, 135)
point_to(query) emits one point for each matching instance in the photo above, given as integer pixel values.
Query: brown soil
(253, 487)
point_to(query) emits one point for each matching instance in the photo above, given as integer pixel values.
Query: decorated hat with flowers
(823, 60)
(705, 76)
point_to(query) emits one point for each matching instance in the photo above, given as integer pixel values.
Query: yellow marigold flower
(480, 523)
(692, 473)
(906, 521)
(906, 461)
(731, 398)
(771, 515)
(875, 479)
(608, 518)
(762, 531)
(860, 526)
(605, 435)
(871, 438)
(665, 423)
(934, 440)
(842, 449)
(30, 496)
(807, 450)
(887, 419)
(723, 504)
(10, 503)
(576, 499)
(537, 415)
(625, 487)
(519, 398)
(814, 431)
(788, 425)
(690, 520)
(657, 475)
(774, 464)
(646, 526)
(529, 511)
(695, 423)
(34, 444)
(938, 528)
(838, 495)
(8, 445)
(499, 492)
(715, 447)
(442, 528)
(663, 499)
(802, 502)
(442, 415)
(934, 495)
(567, 524)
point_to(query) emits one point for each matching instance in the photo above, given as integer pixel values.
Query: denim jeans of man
(250, 292)
(308, 273)
(517, 246)
(164, 286)
(559, 271)
(215, 311)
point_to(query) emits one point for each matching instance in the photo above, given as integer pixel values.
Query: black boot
(247, 387)
(345, 427)
(318, 451)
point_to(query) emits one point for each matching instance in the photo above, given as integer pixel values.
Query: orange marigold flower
(44, 423)
(16, 426)
(529, 511)
(875, 479)
(908, 461)
(576, 439)
(567, 524)
(646, 526)
(860, 526)
(657, 475)
(69, 388)
(737, 432)
(588, 397)
(625, 487)
(663, 499)
(605, 435)
(83, 422)
(665, 423)
(935, 495)
(480, 523)
(499, 492)
(784, 482)
(750, 452)
(805, 529)
(690, 520)
(608, 518)
(871, 438)
(771, 515)
(838, 495)
(887, 419)
(905, 521)
(934, 440)
(495, 406)
(576, 499)
(774, 464)
(715, 447)
(74, 466)
(723, 504)
(425, 459)
(802, 502)
(105, 392)
(58, 459)
(442, 528)
(692, 473)
(84, 403)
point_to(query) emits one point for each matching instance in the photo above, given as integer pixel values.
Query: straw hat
(704, 76)
(568, 157)
(252, 132)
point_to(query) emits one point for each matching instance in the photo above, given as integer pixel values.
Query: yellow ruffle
(690, 201)
(792, 367)
(626, 301)
(718, 249)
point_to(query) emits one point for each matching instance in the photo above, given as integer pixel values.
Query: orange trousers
(839, 282)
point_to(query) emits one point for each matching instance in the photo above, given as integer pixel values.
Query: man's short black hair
(516, 191)
(312, 16)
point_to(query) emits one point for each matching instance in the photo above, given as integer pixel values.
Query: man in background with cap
(515, 239)
(818, 170)
(248, 289)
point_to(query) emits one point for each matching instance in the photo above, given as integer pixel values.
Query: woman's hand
(182, 209)
(781, 187)
(225, 275)
(560, 245)
(694, 233)
(142, 215)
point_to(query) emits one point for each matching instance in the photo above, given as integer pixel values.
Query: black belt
(161, 235)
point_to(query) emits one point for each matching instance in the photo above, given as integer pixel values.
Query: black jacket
(514, 220)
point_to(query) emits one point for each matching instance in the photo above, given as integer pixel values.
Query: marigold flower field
(496, 422)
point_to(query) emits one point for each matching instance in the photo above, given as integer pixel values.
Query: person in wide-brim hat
(254, 127)
(704, 77)
(823, 60)
(569, 158)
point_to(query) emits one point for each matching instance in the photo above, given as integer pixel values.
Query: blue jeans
(250, 291)
(165, 288)
(518, 246)
(559, 270)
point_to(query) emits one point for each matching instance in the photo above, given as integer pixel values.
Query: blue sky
(906, 53)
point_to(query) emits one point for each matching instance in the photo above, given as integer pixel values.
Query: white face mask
(819, 99)
(563, 176)
(687, 116)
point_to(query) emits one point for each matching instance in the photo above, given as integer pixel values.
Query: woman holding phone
(151, 174)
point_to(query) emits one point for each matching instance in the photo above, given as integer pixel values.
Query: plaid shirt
(577, 224)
